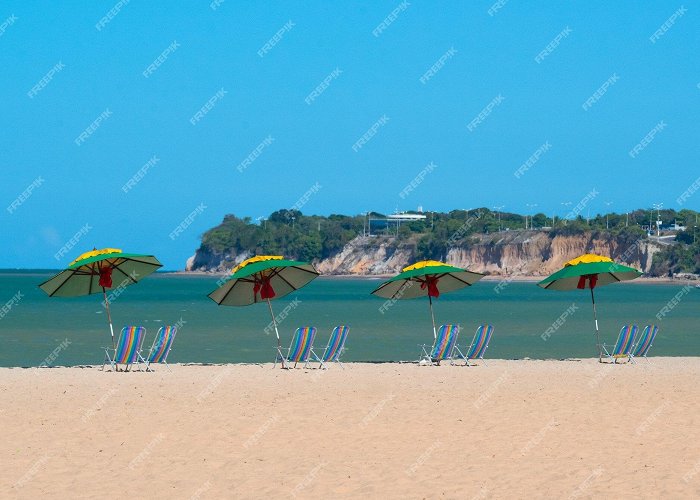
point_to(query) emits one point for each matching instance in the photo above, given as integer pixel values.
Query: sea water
(529, 321)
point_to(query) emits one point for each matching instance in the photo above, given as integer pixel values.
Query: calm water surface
(521, 312)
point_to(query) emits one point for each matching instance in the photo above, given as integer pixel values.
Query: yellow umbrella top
(257, 258)
(588, 258)
(422, 264)
(95, 253)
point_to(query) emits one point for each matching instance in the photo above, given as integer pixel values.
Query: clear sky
(86, 104)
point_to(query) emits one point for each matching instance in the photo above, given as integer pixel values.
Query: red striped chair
(128, 350)
(646, 340)
(443, 346)
(301, 348)
(335, 347)
(623, 346)
(478, 347)
(161, 347)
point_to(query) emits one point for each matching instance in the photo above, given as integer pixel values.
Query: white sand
(543, 429)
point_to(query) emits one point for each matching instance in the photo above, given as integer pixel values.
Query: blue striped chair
(161, 346)
(128, 350)
(623, 346)
(478, 347)
(300, 349)
(335, 347)
(646, 340)
(443, 346)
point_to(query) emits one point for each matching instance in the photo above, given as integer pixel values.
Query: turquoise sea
(37, 325)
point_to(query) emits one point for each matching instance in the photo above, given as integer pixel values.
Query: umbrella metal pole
(109, 316)
(430, 301)
(274, 322)
(597, 332)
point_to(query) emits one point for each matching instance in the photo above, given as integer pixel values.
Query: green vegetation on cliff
(312, 237)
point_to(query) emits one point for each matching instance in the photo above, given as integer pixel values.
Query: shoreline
(487, 278)
(376, 277)
(314, 366)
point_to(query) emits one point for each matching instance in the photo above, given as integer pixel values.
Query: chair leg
(456, 354)
(108, 359)
(317, 359)
(425, 355)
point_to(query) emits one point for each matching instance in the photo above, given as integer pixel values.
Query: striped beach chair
(128, 350)
(646, 340)
(443, 346)
(623, 346)
(478, 347)
(301, 347)
(161, 346)
(335, 347)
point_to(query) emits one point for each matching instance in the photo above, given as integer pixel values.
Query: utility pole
(607, 220)
(498, 208)
(657, 206)
(566, 204)
(530, 206)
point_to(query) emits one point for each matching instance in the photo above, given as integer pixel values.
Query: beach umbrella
(426, 278)
(97, 271)
(261, 279)
(589, 271)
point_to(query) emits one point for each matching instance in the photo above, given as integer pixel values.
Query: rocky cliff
(532, 253)
(512, 253)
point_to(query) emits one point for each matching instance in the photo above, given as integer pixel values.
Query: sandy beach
(542, 429)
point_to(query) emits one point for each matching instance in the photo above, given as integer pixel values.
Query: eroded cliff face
(512, 253)
(536, 254)
(207, 261)
(369, 256)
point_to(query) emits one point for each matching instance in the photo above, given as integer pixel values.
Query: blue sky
(538, 62)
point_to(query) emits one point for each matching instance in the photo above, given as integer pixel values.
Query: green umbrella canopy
(605, 270)
(589, 271)
(82, 277)
(428, 278)
(261, 279)
(264, 277)
(98, 271)
(445, 278)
